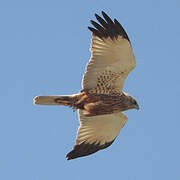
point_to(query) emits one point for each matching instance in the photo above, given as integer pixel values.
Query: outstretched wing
(96, 133)
(111, 59)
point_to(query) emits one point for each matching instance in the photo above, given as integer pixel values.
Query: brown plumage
(102, 100)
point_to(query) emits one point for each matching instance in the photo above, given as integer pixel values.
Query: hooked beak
(136, 106)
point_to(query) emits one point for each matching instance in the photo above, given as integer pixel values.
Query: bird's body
(93, 104)
(102, 100)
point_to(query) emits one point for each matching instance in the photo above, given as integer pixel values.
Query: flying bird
(102, 99)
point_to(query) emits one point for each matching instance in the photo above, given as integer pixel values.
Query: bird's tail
(54, 100)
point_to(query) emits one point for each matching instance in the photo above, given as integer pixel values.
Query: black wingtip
(68, 158)
(94, 31)
(107, 28)
(97, 16)
(92, 22)
(103, 13)
(86, 149)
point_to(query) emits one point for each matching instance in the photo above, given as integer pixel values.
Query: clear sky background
(44, 48)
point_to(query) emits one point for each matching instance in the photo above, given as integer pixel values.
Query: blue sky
(44, 47)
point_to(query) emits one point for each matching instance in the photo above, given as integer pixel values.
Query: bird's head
(131, 102)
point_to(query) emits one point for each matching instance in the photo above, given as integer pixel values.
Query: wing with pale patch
(111, 59)
(96, 133)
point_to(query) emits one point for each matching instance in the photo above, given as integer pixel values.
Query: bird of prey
(102, 100)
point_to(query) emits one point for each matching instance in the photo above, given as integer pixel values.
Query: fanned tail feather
(54, 100)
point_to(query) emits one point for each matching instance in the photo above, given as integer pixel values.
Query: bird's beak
(137, 107)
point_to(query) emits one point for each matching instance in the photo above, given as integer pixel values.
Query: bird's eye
(135, 102)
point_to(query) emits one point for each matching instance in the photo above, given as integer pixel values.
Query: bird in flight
(102, 99)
